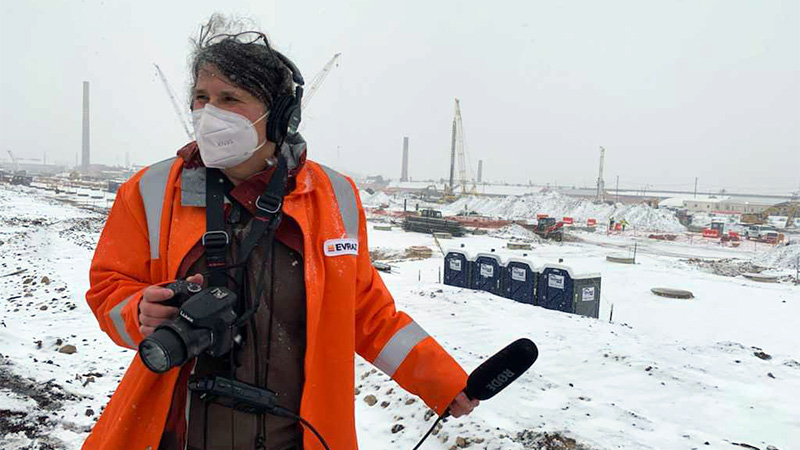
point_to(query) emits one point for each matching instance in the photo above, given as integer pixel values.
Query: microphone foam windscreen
(502, 369)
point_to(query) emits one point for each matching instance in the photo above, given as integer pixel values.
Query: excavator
(791, 210)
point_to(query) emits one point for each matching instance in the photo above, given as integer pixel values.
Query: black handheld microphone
(497, 372)
(502, 369)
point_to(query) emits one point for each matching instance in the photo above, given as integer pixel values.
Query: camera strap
(216, 238)
(266, 219)
(267, 215)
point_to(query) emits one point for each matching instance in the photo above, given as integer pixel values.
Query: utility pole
(404, 169)
(695, 187)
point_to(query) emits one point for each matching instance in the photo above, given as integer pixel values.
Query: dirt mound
(547, 441)
(728, 267)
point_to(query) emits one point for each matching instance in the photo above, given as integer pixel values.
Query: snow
(376, 200)
(780, 257)
(481, 188)
(515, 232)
(680, 200)
(639, 216)
(661, 374)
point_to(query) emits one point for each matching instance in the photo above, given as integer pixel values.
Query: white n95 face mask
(225, 138)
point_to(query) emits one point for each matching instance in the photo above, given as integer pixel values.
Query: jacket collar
(193, 177)
(293, 149)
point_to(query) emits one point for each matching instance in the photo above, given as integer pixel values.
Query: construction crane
(317, 81)
(15, 160)
(458, 148)
(601, 184)
(178, 110)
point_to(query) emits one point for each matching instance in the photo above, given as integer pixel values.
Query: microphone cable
(430, 430)
(283, 412)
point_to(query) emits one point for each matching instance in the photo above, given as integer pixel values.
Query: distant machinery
(319, 78)
(601, 184)
(458, 147)
(179, 111)
(184, 120)
(16, 160)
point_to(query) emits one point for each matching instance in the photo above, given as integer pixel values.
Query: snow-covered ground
(662, 374)
(640, 216)
(526, 207)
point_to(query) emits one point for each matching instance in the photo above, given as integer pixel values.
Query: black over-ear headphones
(284, 114)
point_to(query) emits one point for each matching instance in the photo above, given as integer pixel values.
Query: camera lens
(162, 350)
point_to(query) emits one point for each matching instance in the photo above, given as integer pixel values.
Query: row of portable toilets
(552, 286)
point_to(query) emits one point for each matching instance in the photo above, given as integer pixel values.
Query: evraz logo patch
(338, 247)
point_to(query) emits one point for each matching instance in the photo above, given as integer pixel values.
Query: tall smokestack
(480, 170)
(85, 161)
(404, 173)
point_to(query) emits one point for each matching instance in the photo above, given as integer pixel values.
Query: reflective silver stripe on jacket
(346, 198)
(152, 187)
(193, 187)
(119, 323)
(398, 347)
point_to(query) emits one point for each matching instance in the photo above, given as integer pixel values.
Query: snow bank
(526, 207)
(781, 257)
(515, 232)
(376, 199)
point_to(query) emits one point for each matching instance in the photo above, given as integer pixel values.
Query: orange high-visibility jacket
(159, 215)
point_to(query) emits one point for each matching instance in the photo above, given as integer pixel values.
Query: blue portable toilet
(487, 273)
(519, 281)
(559, 289)
(457, 269)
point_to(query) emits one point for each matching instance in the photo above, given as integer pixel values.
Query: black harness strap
(266, 219)
(216, 238)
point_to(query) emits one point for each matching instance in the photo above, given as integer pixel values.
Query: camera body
(182, 290)
(205, 323)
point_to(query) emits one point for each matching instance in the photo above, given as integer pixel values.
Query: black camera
(205, 323)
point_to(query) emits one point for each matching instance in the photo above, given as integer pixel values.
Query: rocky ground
(732, 267)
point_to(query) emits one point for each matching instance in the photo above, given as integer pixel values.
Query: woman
(241, 208)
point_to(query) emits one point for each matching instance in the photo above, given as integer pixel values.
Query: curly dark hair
(246, 58)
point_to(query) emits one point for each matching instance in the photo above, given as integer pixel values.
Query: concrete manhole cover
(762, 277)
(620, 259)
(671, 293)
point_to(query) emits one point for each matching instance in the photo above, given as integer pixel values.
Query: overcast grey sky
(673, 90)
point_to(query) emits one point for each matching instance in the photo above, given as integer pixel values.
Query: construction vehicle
(792, 213)
(789, 209)
(431, 221)
(549, 228)
(21, 178)
(716, 230)
(759, 232)
(773, 237)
